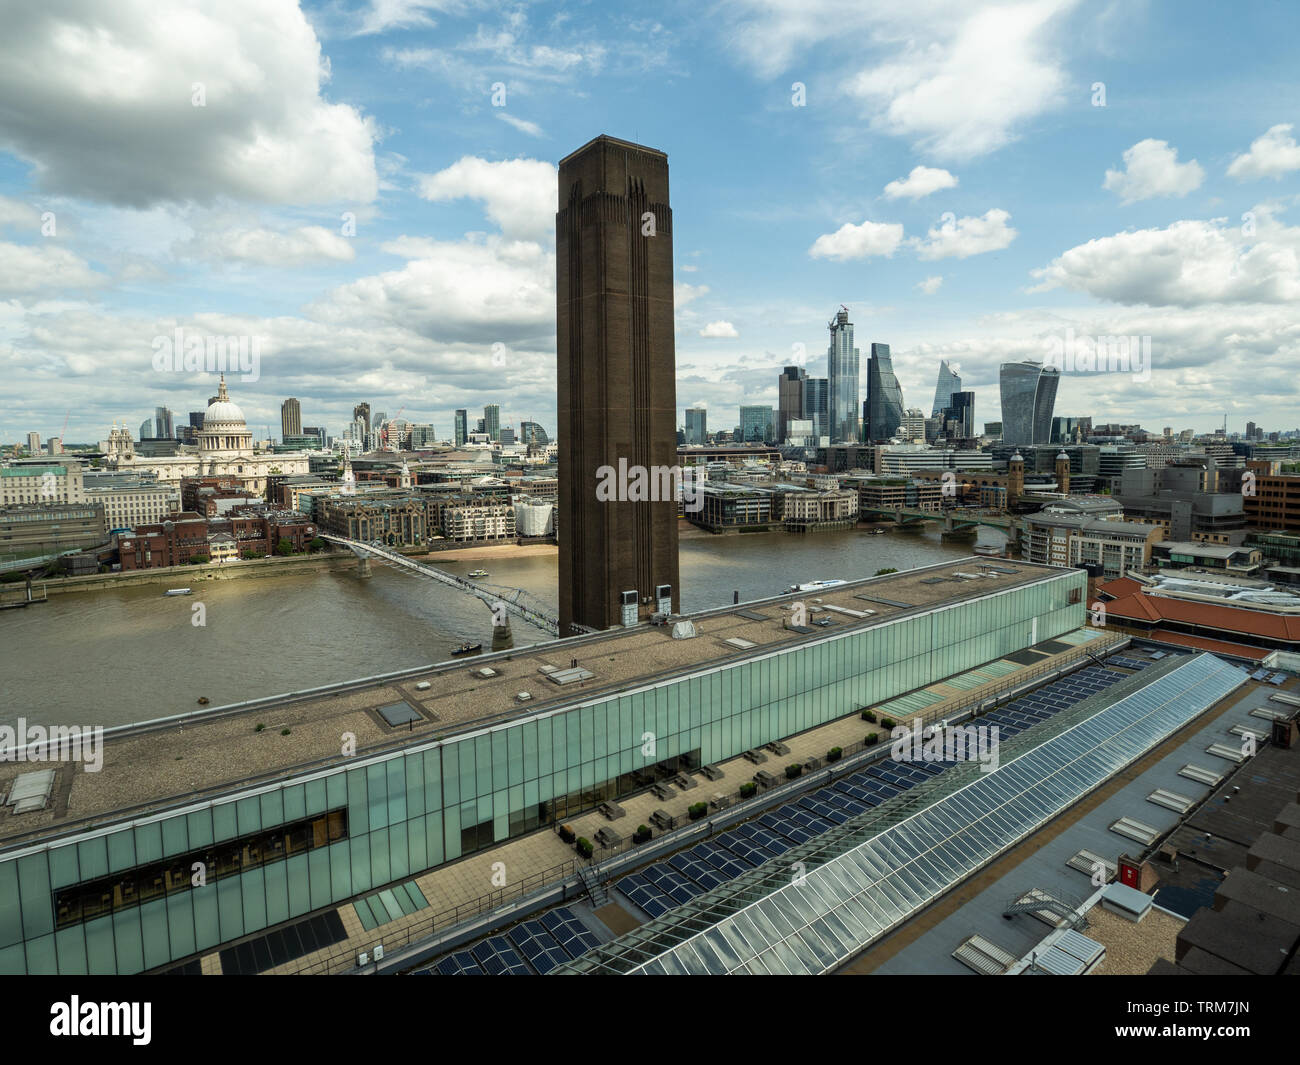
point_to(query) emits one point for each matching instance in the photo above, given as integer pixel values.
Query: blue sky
(1170, 212)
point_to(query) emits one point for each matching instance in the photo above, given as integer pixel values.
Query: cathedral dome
(221, 412)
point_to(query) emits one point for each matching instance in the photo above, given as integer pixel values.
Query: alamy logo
(654, 484)
(946, 743)
(1103, 354)
(56, 743)
(197, 353)
(103, 1018)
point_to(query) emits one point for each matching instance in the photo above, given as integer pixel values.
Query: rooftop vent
(485, 672)
(569, 676)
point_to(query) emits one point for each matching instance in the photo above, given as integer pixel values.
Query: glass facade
(409, 811)
(1028, 398)
(842, 378)
(884, 395)
(949, 385)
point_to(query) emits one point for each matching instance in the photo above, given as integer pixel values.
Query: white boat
(478, 573)
(816, 586)
(178, 591)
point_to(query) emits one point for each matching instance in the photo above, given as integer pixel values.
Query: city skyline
(358, 282)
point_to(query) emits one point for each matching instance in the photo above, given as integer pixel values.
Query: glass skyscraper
(756, 425)
(817, 406)
(1028, 396)
(461, 431)
(949, 385)
(697, 425)
(884, 396)
(492, 421)
(842, 375)
(792, 387)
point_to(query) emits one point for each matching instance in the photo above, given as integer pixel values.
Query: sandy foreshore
(470, 554)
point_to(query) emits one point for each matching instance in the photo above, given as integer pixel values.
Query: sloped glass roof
(823, 902)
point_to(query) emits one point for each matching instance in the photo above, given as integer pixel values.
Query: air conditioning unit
(523, 697)
(423, 686)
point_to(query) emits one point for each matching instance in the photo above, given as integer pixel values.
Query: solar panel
(538, 947)
(862, 887)
(575, 937)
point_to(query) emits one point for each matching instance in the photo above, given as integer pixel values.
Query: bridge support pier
(502, 639)
(363, 565)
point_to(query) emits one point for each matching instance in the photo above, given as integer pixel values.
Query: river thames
(131, 654)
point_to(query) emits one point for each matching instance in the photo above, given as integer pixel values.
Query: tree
(316, 545)
(887, 569)
(284, 547)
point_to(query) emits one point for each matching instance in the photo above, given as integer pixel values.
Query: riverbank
(186, 576)
(472, 554)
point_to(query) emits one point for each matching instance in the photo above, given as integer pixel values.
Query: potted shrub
(697, 810)
(641, 834)
(792, 771)
(872, 739)
(747, 789)
(888, 723)
(833, 755)
(869, 717)
(567, 834)
(583, 846)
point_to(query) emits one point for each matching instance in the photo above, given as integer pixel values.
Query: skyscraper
(884, 396)
(817, 406)
(532, 433)
(756, 425)
(461, 431)
(146, 429)
(362, 411)
(492, 421)
(949, 385)
(617, 400)
(790, 400)
(1028, 396)
(959, 415)
(697, 425)
(33, 443)
(842, 374)
(162, 424)
(290, 418)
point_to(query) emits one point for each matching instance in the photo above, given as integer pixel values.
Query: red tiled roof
(1181, 639)
(1261, 623)
(1119, 587)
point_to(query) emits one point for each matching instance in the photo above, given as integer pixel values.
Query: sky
(365, 192)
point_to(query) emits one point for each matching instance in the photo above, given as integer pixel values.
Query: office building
(949, 385)
(791, 386)
(162, 424)
(884, 396)
(33, 443)
(146, 429)
(532, 433)
(492, 421)
(361, 412)
(817, 407)
(32, 529)
(1028, 396)
(1055, 539)
(617, 398)
(697, 425)
(461, 431)
(290, 418)
(756, 425)
(957, 420)
(842, 378)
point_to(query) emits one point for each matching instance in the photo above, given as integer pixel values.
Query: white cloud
(684, 294)
(689, 269)
(922, 181)
(268, 247)
(521, 124)
(1151, 169)
(858, 242)
(1271, 155)
(517, 194)
(964, 82)
(1187, 264)
(490, 288)
(930, 285)
(384, 15)
(18, 214)
(107, 111)
(964, 237)
(44, 268)
(719, 330)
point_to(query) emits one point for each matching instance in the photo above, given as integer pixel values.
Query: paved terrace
(153, 766)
